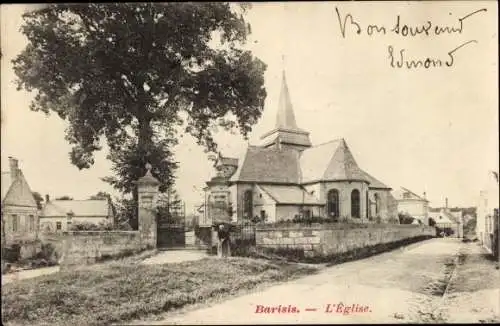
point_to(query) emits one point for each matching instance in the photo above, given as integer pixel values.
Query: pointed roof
(268, 165)
(375, 183)
(286, 130)
(330, 161)
(16, 192)
(400, 195)
(285, 118)
(284, 194)
(443, 217)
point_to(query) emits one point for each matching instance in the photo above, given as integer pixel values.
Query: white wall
(264, 202)
(286, 212)
(51, 222)
(345, 188)
(415, 208)
(24, 230)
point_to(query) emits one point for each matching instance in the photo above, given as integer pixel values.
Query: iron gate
(173, 230)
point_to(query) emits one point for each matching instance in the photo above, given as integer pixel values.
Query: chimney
(14, 167)
(446, 202)
(47, 198)
(425, 195)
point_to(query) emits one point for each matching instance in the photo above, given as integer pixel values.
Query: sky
(430, 130)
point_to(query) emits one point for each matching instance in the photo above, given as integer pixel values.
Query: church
(287, 177)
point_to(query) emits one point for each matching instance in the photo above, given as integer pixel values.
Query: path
(174, 256)
(162, 257)
(24, 274)
(404, 285)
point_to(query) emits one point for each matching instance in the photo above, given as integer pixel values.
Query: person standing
(224, 243)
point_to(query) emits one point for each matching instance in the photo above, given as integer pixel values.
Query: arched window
(248, 204)
(367, 205)
(355, 207)
(333, 203)
(377, 203)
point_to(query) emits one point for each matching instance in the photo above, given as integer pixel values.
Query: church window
(58, 225)
(248, 204)
(355, 205)
(377, 204)
(333, 203)
(367, 206)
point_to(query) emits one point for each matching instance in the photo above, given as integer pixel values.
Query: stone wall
(87, 247)
(336, 238)
(57, 240)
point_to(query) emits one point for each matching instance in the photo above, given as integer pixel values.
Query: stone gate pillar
(147, 189)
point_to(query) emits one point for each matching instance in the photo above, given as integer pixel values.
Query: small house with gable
(19, 208)
(55, 213)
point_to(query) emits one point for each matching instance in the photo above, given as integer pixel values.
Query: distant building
(287, 177)
(54, 214)
(412, 204)
(487, 214)
(448, 218)
(19, 208)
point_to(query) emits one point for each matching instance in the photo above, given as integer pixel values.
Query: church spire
(285, 118)
(286, 133)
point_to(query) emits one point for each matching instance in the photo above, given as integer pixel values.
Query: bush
(12, 253)
(87, 226)
(405, 218)
(393, 220)
(48, 252)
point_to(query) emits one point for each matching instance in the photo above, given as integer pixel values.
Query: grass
(122, 292)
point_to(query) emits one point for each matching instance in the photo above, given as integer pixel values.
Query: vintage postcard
(212, 163)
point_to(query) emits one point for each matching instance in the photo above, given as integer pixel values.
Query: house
(487, 214)
(448, 218)
(55, 213)
(445, 220)
(286, 177)
(412, 204)
(19, 208)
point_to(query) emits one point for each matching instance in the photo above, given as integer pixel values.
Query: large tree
(131, 74)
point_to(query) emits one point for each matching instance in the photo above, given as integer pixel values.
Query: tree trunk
(144, 147)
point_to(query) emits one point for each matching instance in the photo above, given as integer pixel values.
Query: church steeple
(286, 132)
(285, 118)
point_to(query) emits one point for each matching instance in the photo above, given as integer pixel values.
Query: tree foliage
(133, 73)
(125, 214)
(100, 195)
(65, 197)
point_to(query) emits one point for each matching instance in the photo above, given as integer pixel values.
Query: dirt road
(405, 285)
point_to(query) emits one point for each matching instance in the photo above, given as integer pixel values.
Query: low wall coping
(100, 232)
(338, 226)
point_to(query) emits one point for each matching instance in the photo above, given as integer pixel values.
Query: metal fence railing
(244, 232)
